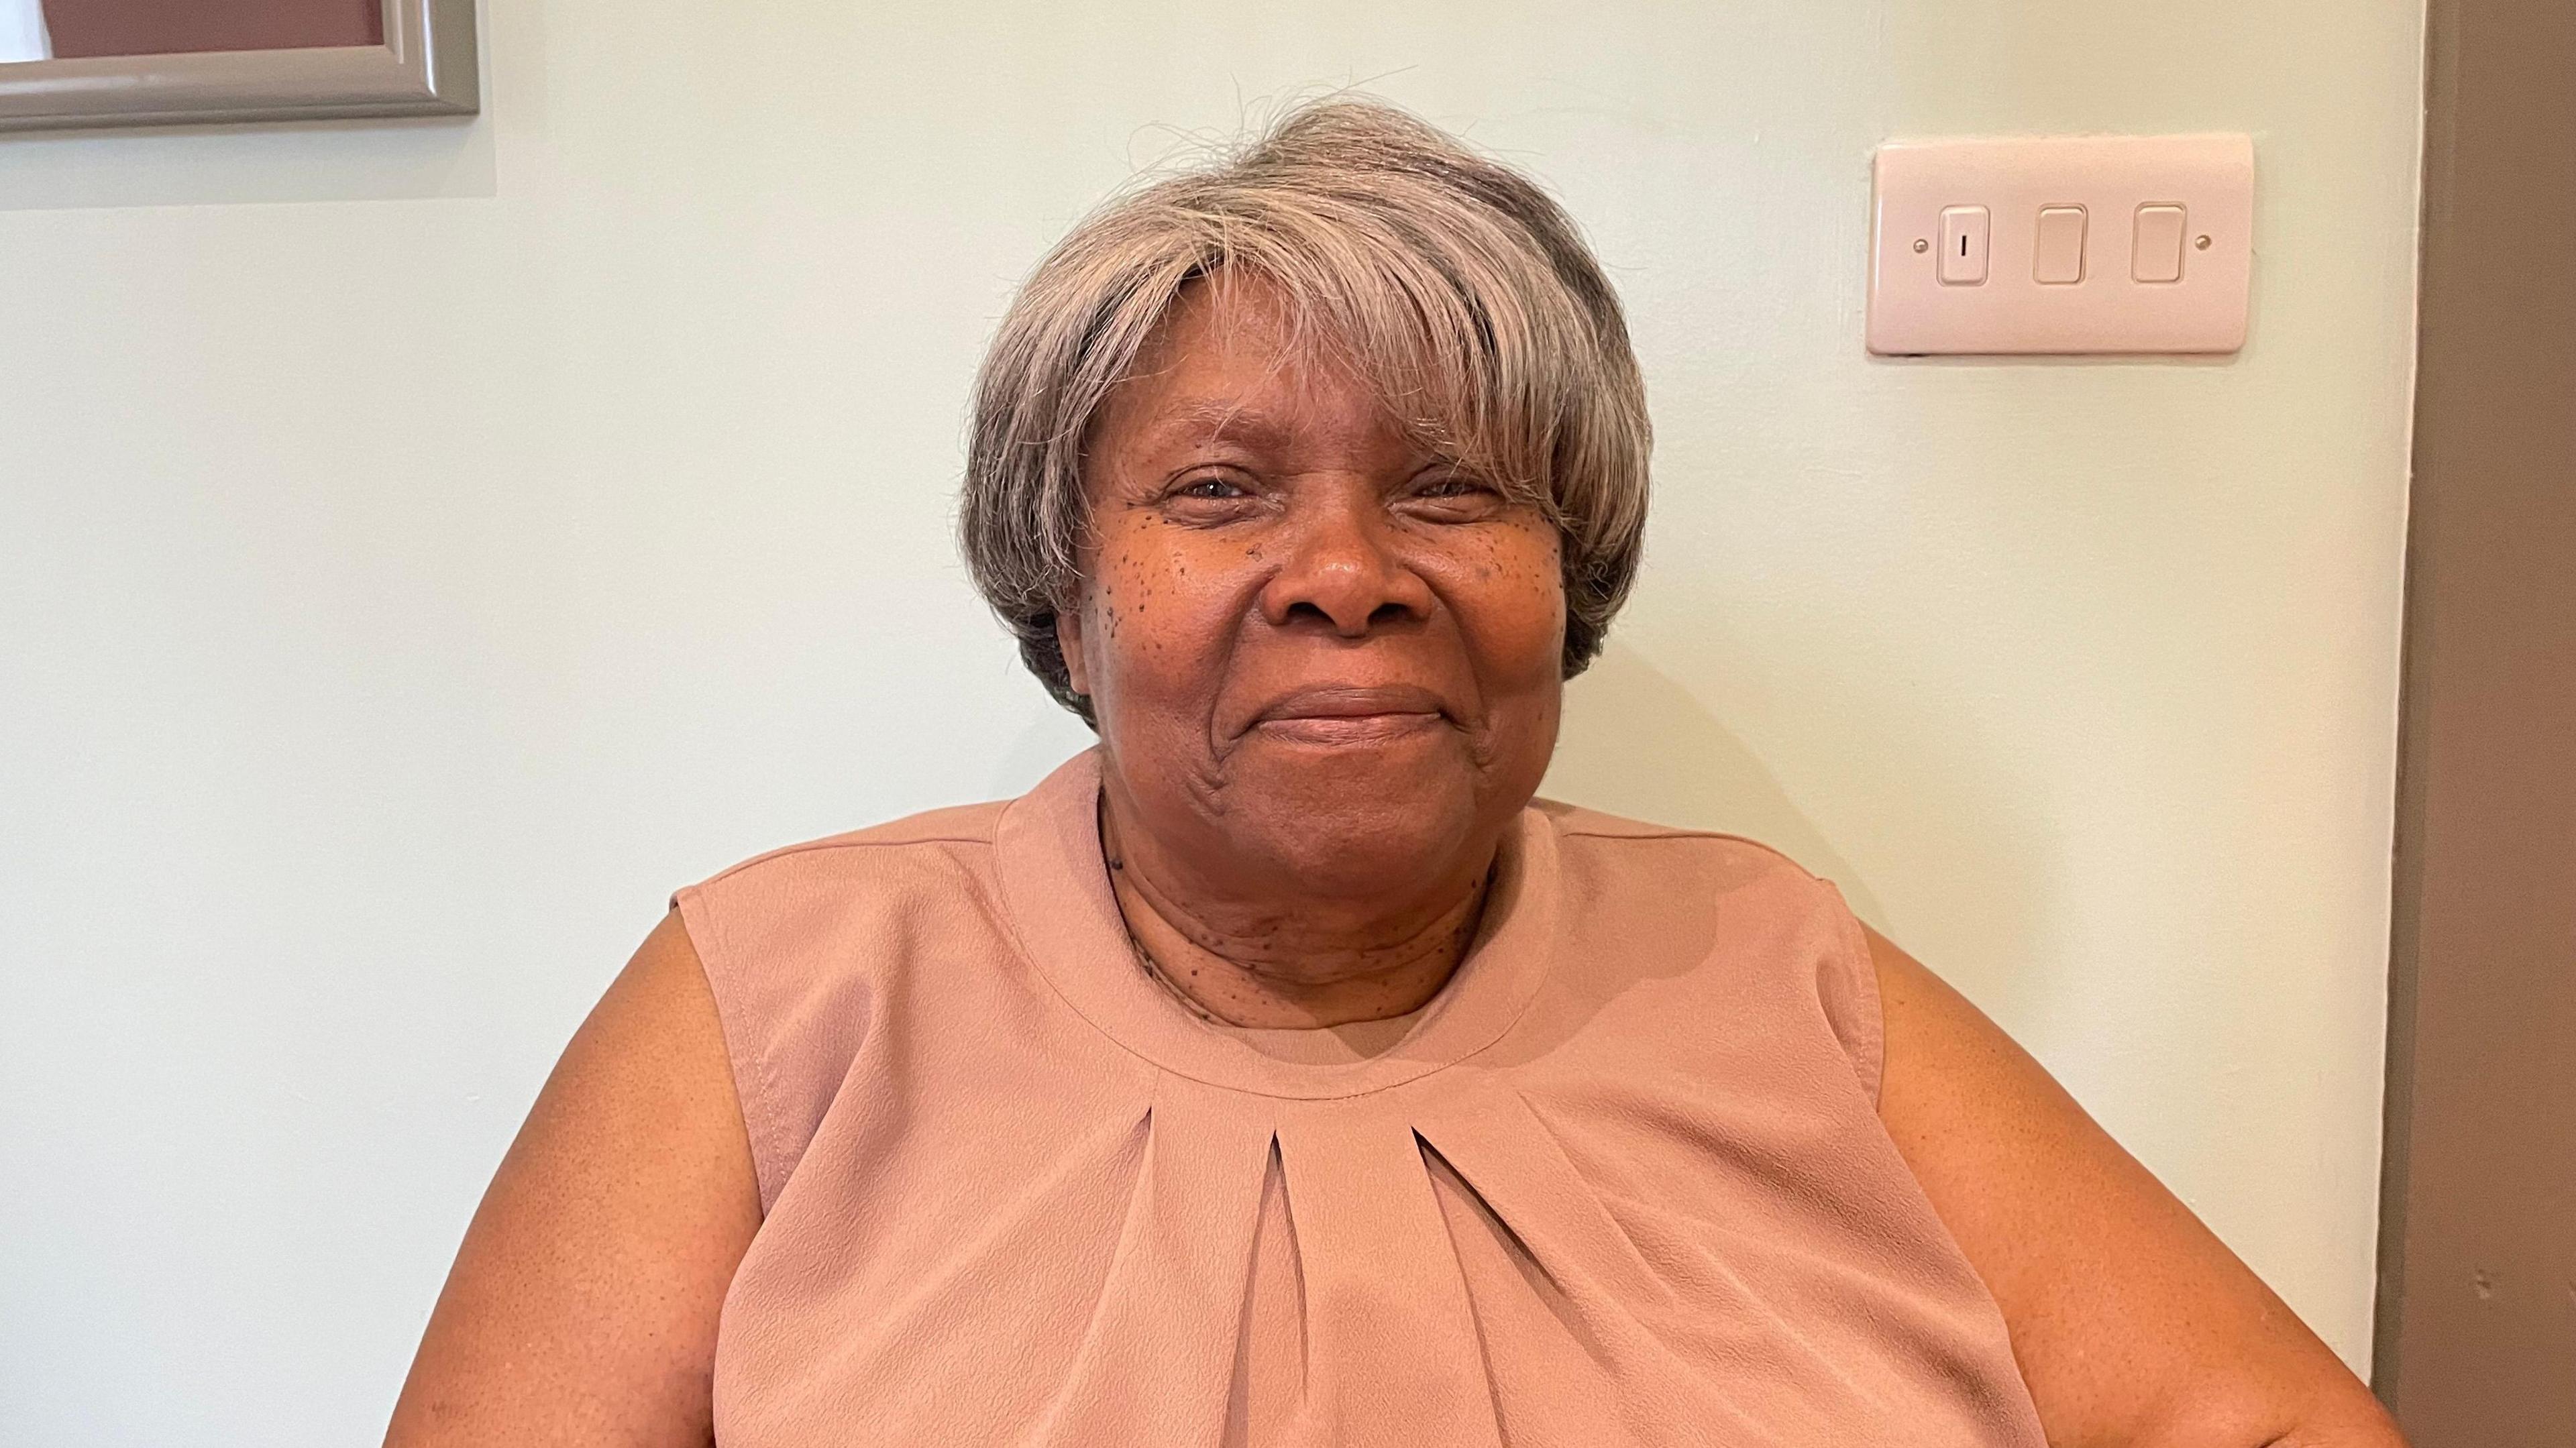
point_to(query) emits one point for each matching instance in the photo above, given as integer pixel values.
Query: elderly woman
(1279, 1071)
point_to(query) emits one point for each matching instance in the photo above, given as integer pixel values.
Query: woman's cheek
(1149, 606)
(1517, 594)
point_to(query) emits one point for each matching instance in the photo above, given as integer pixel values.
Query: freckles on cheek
(1125, 600)
(1532, 577)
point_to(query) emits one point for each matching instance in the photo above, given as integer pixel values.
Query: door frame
(2475, 1339)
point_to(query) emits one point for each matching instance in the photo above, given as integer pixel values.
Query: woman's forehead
(1227, 365)
(1281, 423)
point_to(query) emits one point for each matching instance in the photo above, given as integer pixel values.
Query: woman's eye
(1209, 488)
(1453, 489)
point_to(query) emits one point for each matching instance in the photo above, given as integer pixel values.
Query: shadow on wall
(391, 159)
(1636, 743)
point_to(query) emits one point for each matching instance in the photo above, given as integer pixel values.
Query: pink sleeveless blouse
(1622, 1181)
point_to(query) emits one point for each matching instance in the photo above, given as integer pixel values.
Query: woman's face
(1312, 646)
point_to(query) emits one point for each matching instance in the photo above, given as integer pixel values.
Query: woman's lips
(1350, 714)
(1346, 729)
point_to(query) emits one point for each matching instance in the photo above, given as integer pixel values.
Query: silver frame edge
(426, 67)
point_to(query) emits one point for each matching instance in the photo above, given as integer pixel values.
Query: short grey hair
(1450, 281)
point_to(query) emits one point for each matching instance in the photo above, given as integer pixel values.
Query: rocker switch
(2057, 254)
(1963, 246)
(2157, 255)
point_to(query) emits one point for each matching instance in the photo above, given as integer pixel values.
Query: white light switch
(2101, 244)
(2057, 258)
(1963, 246)
(2156, 254)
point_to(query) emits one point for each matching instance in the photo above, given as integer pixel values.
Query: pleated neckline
(1056, 893)
(1354, 1041)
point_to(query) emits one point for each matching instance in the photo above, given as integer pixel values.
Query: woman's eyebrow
(1214, 421)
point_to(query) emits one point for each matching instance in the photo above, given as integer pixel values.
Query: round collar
(1055, 891)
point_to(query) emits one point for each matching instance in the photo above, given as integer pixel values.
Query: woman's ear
(1068, 641)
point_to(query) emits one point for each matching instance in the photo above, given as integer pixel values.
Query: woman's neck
(1273, 963)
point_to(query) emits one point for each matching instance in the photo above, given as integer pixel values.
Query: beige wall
(422, 546)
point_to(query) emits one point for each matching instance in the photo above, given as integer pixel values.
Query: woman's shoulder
(823, 916)
(1717, 857)
(803, 946)
(1738, 916)
(873, 847)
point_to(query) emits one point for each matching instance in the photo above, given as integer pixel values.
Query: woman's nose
(1342, 571)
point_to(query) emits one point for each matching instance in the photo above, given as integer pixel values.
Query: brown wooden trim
(2476, 1331)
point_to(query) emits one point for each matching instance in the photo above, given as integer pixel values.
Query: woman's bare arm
(582, 1307)
(2134, 1326)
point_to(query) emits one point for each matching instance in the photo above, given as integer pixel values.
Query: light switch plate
(1913, 312)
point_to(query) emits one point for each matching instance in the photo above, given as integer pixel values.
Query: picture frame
(425, 67)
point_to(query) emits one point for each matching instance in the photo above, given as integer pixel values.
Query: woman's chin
(1365, 771)
(1359, 839)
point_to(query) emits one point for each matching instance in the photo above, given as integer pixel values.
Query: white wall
(22, 31)
(422, 546)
